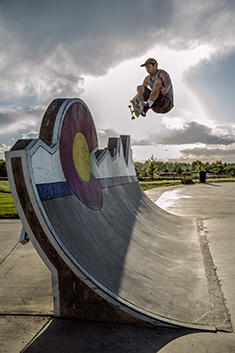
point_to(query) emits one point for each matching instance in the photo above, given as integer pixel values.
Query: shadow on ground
(63, 336)
(211, 184)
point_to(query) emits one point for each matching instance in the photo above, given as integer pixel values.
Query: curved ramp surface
(114, 255)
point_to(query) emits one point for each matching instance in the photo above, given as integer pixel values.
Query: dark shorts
(163, 104)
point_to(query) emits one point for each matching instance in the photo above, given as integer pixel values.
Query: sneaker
(145, 109)
(143, 113)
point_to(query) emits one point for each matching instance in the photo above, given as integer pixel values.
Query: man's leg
(162, 105)
(156, 90)
(143, 92)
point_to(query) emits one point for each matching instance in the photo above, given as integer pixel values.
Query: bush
(3, 169)
(186, 174)
(232, 173)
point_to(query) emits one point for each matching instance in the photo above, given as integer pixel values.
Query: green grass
(147, 185)
(8, 210)
(7, 206)
(4, 186)
(220, 180)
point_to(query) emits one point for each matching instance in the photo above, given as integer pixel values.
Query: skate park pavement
(27, 323)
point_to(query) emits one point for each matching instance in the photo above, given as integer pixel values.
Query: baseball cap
(149, 61)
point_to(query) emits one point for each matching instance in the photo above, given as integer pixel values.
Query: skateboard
(136, 107)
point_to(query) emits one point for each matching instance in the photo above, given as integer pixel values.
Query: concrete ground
(26, 308)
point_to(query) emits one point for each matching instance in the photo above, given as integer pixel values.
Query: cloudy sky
(93, 50)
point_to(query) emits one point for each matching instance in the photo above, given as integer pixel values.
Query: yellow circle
(81, 157)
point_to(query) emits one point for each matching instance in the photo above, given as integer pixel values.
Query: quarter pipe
(113, 254)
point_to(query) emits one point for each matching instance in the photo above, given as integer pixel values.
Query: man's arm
(166, 81)
(145, 83)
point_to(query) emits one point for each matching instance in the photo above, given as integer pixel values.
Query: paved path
(20, 322)
(25, 290)
(214, 204)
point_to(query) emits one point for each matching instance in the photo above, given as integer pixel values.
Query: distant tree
(218, 167)
(207, 166)
(139, 169)
(170, 166)
(200, 166)
(3, 169)
(232, 173)
(229, 169)
(193, 165)
(161, 166)
(197, 165)
(152, 167)
(180, 167)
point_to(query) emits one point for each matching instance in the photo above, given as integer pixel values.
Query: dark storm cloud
(96, 33)
(226, 154)
(213, 81)
(203, 22)
(143, 142)
(195, 133)
(103, 136)
(99, 34)
(13, 119)
(47, 46)
(6, 119)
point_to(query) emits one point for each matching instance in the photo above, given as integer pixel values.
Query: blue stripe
(53, 190)
(49, 191)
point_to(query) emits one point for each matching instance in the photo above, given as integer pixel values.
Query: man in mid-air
(159, 97)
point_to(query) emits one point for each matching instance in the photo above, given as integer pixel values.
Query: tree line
(153, 167)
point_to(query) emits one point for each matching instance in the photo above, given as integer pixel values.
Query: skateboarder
(159, 97)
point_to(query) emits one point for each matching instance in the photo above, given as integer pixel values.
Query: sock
(150, 103)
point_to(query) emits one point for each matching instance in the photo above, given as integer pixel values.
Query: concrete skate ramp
(114, 255)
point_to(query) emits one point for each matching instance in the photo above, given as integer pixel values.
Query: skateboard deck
(136, 107)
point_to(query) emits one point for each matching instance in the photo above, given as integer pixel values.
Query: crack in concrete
(9, 253)
(218, 303)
